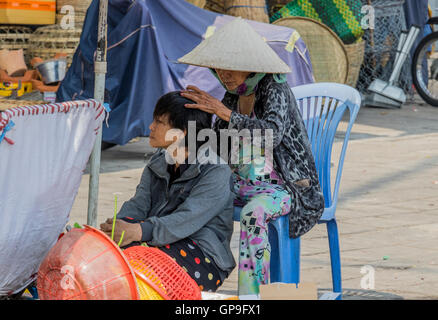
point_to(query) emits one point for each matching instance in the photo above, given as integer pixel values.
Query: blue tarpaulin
(145, 39)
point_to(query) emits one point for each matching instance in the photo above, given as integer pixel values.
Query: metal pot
(52, 71)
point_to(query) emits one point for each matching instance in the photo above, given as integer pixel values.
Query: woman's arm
(230, 102)
(206, 102)
(132, 212)
(219, 124)
(276, 114)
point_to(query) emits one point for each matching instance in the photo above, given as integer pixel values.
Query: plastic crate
(23, 12)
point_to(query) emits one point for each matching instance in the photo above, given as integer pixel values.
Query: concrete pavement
(387, 211)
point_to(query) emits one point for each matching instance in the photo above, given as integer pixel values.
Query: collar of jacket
(158, 165)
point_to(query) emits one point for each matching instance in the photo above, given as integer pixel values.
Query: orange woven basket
(162, 273)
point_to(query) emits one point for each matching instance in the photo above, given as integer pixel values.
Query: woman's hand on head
(206, 102)
(133, 231)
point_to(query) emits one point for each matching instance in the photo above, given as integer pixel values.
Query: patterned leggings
(261, 203)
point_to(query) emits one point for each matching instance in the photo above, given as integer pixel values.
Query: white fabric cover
(40, 176)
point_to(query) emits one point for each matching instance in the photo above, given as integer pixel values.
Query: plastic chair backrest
(322, 106)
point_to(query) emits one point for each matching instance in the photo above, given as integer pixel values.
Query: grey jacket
(198, 205)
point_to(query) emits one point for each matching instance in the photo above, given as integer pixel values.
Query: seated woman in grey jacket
(183, 209)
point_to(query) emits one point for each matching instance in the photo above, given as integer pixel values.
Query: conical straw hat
(238, 47)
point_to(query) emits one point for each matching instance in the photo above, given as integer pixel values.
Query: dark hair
(172, 105)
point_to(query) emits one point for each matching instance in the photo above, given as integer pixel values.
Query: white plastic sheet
(40, 174)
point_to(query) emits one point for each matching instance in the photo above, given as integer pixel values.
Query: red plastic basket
(163, 273)
(86, 265)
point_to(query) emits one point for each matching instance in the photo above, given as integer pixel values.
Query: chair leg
(274, 264)
(335, 258)
(285, 253)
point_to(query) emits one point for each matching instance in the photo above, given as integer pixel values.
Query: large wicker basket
(355, 53)
(329, 57)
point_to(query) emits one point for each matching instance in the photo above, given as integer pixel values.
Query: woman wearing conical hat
(258, 97)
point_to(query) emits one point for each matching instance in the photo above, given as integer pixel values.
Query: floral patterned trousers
(261, 201)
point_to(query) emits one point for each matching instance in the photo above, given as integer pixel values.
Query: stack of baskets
(15, 38)
(46, 41)
(99, 270)
(85, 264)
